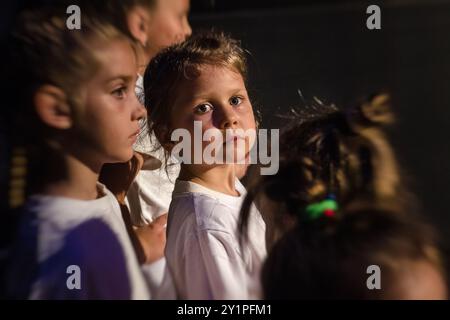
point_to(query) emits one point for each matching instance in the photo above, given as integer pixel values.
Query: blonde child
(75, 110)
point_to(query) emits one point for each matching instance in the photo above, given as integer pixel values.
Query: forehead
(211, 77)
(116, 58)
(182, 5)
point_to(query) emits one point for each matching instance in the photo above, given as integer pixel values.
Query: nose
(142, 112)
(187, 30)
(228, 118)
(139, 112)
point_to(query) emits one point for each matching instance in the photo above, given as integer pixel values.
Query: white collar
(183, 187)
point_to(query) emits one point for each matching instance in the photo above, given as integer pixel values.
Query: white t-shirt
(150, 193)
(74, 249)
(147, 198)
(203, 251)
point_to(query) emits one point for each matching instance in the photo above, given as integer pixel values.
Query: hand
(118, 177)
(152, 239)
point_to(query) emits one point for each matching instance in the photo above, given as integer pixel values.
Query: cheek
(248, 119)
(186, 119)
(173, 30)
(111, 120)
(106, 125)
(116, 138)
(164, 32)
(96, 113)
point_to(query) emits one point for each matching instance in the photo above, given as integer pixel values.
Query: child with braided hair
(337, 208)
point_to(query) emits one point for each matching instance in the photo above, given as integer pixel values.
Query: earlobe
(51, 106)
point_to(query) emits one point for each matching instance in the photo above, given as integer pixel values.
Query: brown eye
(203, 108)
(120, 92)
(235, 101)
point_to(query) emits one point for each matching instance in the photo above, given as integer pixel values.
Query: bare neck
(218, 178)
(78, 180)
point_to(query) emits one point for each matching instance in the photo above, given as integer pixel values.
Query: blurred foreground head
(326, 151)
(337, 208)
(363, 254)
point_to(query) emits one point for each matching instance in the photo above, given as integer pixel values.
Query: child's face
(109, 117)
(218, 99)
(418, 280)
(169, 25)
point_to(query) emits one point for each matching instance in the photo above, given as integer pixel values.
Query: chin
(123, 157)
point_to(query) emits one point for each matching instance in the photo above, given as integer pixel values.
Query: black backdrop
(325, 50)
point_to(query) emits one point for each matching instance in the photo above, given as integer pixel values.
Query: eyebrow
(121, 77)
(207, 96)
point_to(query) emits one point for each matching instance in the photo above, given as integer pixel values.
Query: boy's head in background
(152, 24)
(157, 24)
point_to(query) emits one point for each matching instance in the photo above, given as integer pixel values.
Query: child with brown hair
(199, 86)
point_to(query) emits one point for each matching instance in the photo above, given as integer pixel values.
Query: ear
(52, 108)
(138, 20)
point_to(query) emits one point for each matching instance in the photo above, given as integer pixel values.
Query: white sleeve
(159, 280)
(214, 267)
(146, 199)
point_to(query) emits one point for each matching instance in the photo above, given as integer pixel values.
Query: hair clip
(327, 207)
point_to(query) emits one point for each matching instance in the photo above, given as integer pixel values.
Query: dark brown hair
(342, 154)
(323, 151)
(329, 258)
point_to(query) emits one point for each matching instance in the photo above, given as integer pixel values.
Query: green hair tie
(327, 207)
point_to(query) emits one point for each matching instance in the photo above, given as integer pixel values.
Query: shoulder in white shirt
(57, 233)
(203, 251)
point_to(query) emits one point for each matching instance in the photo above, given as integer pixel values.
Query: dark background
(324, 49)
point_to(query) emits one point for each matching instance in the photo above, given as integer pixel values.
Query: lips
(233, 138)
(135, 134)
